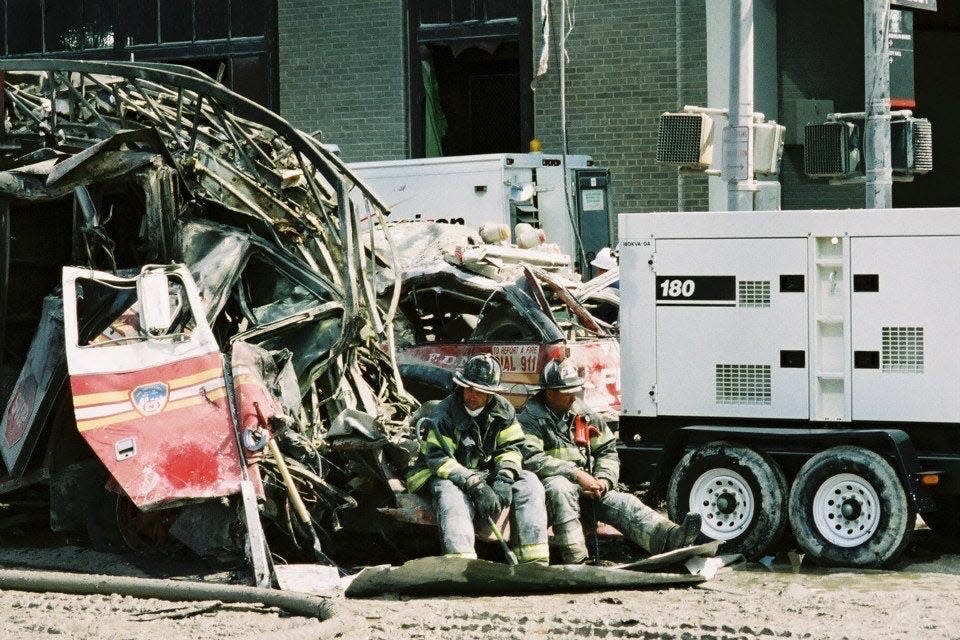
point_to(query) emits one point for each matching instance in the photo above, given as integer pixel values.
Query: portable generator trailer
(795, 367)
(502, 188)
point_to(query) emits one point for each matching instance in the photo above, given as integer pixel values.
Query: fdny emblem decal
(150, 399)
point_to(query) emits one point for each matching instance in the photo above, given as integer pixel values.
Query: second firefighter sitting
(574, 474)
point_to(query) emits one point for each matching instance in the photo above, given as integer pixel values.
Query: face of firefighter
(559, 401)
(475, 399)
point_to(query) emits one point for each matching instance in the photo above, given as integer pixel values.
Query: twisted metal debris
(149, 163)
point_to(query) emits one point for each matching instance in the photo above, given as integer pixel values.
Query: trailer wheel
(848, 508)
(740, 494)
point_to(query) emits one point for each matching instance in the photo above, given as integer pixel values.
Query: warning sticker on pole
(736, 148)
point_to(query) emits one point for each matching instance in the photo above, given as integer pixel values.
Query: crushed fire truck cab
(168, 415)
(795, 366)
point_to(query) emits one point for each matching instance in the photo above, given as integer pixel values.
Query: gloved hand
(503, 487)
(484, 500)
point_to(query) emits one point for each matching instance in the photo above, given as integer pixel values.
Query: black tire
(848, 508)
(740, 494)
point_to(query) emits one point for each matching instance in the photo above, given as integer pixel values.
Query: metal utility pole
(876, 80)
(738, 137)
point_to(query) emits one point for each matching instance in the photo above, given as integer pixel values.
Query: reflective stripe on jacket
(457, 446)
(549, 449)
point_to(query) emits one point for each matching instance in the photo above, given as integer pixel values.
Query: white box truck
(501, 188)
(795, 366)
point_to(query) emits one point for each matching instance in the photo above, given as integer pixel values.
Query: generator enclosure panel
(552, 193)
(841, 316)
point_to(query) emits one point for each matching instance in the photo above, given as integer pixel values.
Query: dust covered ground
(921, 599)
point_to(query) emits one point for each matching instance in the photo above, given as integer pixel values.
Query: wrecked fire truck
(186, 281)
(172, 419)
(796, 371)
(106, 168)
(460, 296)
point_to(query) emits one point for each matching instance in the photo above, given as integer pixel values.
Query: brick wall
(342, 71)
(621, 76)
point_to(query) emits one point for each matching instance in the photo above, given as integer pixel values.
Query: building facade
(409, 78)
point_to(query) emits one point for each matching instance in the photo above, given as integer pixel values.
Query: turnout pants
(642, 525)
(528, 519)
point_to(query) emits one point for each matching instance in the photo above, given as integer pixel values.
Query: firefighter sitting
(574, 454)
(470, 462)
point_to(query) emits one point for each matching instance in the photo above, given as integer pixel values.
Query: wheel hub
(846, 510)
(851, 509)
(725, 502)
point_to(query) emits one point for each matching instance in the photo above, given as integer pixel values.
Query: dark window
(64, 30)
(176, 20)
(477, 56)
(435, 12)
(249, 17)
(98, 23)
(212, 19)
(24, 35)
(463, 11)
(138, 19)
(203, 34)
(251, 78)
(498, 9)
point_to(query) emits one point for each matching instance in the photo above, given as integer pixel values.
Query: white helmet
(604, 260)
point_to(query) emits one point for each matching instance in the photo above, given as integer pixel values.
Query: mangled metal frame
(207, 161)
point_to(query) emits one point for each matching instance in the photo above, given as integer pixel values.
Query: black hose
(87, 584)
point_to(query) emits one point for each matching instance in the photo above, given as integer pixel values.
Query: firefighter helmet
(481, 372)
(561, 375)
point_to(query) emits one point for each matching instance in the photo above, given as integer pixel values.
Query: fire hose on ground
(173, 590)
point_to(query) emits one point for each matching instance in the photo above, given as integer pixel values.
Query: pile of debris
(113, 166)
(297, 282)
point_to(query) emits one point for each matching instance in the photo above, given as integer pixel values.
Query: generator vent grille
(902, 348)
(753, 293)
(743, 383)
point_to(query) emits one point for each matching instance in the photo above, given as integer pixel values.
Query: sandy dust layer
(920, 600)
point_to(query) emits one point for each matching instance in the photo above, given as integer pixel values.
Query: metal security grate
(827, 149)
(743, 383)
(679, 138)
(902, 348)
(753, 293)
(911, 146)
(922, 146)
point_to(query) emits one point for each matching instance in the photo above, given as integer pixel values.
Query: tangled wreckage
(197, 314)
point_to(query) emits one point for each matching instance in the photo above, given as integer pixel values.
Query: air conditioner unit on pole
(911, 146)
(832, 149)
(685, 139)
(767, 147)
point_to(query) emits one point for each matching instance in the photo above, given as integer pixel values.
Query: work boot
(570, 542)
(684, 534)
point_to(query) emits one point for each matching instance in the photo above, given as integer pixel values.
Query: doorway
(470, 73)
